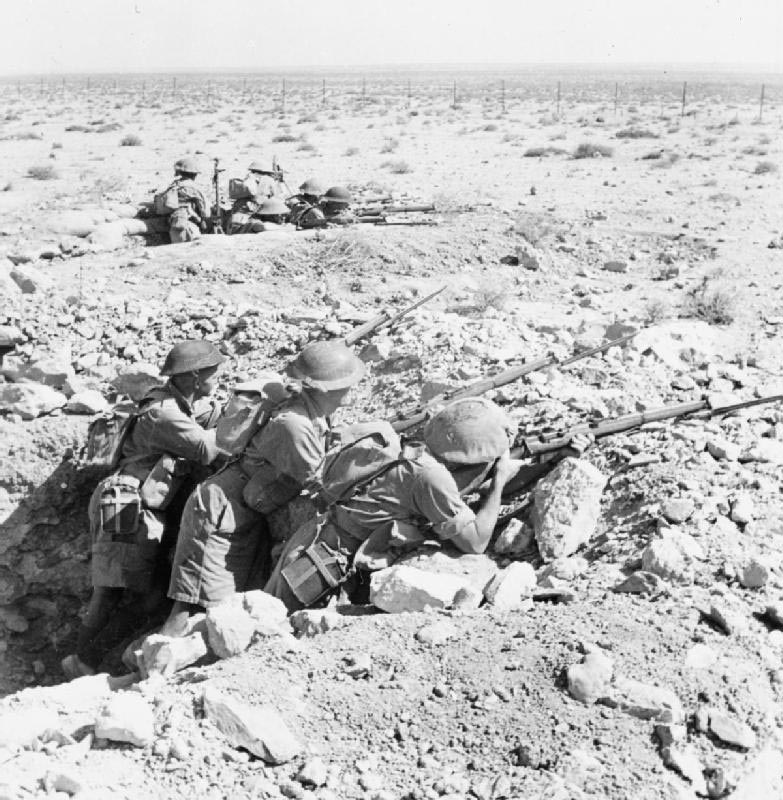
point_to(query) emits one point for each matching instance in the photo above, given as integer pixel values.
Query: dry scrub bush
(397, 166)
(390, 144)
(130, 140)
(636, 133)
(656, 311)
(43, 172)
(532, 227)
(666, 160)
(713, 304)
(306, 147)
(543, 152)
(77, 129)
(283, 137)
(765, 167)
(350, 250)
(592, 150)
(484, 299)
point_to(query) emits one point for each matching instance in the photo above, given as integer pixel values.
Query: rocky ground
(548, 688)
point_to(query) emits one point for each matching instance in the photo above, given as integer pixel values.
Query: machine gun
(216, 218)
(386, 320)
(415, 415)
(379, 213)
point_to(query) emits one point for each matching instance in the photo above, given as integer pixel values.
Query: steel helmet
(257, 166)
(192, 355)
(326, 366)
(469, 431)
(312, 186)
(338, 194)
(188, 164)
(273, 207)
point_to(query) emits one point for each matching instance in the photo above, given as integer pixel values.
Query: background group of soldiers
(191, 516)
(260, 203)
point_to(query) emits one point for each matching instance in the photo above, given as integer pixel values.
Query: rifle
(386, 320)
(383, 210)
(216, 220)
(549, 441)
(381, 220)
(415, 415)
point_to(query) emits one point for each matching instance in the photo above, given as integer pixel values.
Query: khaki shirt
(192, 198)
(285, 454)
(169, 425)
(420, 492)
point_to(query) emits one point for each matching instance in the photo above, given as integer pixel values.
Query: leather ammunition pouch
(317, 572)
(120, 508)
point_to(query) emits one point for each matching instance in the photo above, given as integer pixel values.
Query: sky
(84, 36)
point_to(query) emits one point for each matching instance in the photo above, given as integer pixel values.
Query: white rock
(514, 539)
(564, 569)
(21, 728)
(88, 401)
(312, 621)
(672, 556)
(566, 506)
(269, 614)
(743, 509)
(754, 573)
(9, 288)
(732, 731)
(589, 680)
(126, 717)
(29, 279)
(30, 400)
(511, 586)
(259, 729)
(166, 655)
(437, 633)
(646, 701)
(229, 629)
(401, 588)
(700, 656)
(723, 449)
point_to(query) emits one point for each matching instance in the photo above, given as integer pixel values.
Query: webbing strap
(321, 566)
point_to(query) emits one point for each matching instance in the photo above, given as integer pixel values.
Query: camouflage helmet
(338, 194)
(472, 430)
(189, 165)
(312, 186)
(257, 166)
(192, 355)
(326, 366)
(273, 207)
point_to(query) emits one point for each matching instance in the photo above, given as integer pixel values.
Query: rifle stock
(386, 320)
(416, 415)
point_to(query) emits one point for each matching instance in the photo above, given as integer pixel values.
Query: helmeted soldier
(335, 205)
(232, 518)
(182, 204)
(169, 443)
(417, 496)
(245, 216)
(305, 211)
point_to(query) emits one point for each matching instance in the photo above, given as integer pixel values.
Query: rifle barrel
(377, 211)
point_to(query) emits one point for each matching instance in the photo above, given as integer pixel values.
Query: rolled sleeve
(437, 499)
(182, 436)
(291, 445)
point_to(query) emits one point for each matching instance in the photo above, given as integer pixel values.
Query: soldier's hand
(581, 442)
(506, 468)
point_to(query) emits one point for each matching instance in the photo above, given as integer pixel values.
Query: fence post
(684, 91)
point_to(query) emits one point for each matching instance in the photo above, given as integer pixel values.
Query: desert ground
(570, 208)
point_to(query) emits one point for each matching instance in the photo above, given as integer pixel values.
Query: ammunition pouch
(119, 508)
(163, 482)
(315, 573)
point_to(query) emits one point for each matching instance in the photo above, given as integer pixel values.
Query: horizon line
(723, 66)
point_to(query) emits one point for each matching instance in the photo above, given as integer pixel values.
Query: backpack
(238, 189)
(364, 452)
(167, 201)
(107, 434)
(248, 411)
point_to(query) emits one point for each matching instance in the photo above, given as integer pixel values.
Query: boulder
(20, 728)
(126, 717)
(312, 621)
(49, 369)
(732, 731)
(511, 586)
(401, 588)
(259, 729)
(10, 335)
(723, 450)
(678, 510)
(672, 557)
(137, 380)
(269, 614)
(9, 288)
(700, 656)
(437, 633)
(645, 701)
(566, 505)
(29, 279)
(476, 569)
(641, 582)
(684, 759)
(30, 400)
(88, 401)
(589, 680)
(314, 772)
(564, 569)
(165, 655)
(514, 540)
(229, 629)
(754, 573)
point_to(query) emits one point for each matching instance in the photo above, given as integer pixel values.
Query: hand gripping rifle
(537, 444)
(216, 218)
(386, 320)
(415, 415)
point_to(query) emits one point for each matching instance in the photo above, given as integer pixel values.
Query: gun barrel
(373, 211)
